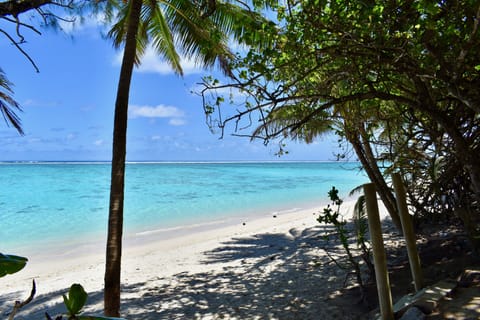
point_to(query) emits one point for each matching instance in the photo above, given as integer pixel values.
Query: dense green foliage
(398, 80)
(196, 29)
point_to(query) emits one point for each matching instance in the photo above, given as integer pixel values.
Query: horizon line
(167, 161)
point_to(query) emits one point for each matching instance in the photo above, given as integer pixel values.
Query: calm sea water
(45, 203)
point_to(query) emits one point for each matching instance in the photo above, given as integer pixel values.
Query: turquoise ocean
(42, 204)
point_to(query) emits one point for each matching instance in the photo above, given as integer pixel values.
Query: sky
(68, 107)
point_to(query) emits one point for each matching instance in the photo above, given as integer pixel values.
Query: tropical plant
(8, 106)
(200, 30)
(10, 264)
(331, 215)
(74, 301)
(399, 82)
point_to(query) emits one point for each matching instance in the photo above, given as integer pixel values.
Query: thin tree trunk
(384, 191)
(376, 177)
(115, 217)
(474, 172)
(465, 153)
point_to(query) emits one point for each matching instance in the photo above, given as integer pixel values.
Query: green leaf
(10, 264)
(477, 67)
(77, 297)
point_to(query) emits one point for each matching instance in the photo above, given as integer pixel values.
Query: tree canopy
(397, 79)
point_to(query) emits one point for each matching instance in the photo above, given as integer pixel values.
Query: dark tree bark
(15, 7)
(115, 218)
(465, 151)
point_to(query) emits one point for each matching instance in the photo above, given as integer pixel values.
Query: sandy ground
(273, 267)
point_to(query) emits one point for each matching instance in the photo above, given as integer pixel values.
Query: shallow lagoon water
(45, 203)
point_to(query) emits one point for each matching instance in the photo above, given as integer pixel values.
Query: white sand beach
(271, 267)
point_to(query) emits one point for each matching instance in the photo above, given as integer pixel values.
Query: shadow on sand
(266, 276)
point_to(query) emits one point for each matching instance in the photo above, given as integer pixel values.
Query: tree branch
(17, 45)
(18, 305)
(14, 7)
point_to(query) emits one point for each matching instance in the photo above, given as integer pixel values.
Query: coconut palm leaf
(287, 121)
(194, 29)
(357, 189)
(178, 27)
(8, 106)
(360, 219)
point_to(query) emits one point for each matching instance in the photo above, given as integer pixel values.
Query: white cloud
(152, 63)
(37, 103)
(175, 115)
(34, 140)
(28, 102)
(177, 122)
(160, 111)
(98, 142)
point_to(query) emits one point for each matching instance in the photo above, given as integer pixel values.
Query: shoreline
(149, 243)
(151, 257)
(94, 242)
(75, 206)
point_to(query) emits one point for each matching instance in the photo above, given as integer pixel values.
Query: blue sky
(68, 107)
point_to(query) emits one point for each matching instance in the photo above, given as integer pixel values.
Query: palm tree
(8, 105)
(303, 122)
(200, 29)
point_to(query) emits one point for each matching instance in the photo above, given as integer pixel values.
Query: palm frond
(197, 37)
(162, 38)
(8, 106)
(179, 27)
(118, 31)
(359, 210)
(357, 189)
(287, 121)
(360, 219)
(248, 27)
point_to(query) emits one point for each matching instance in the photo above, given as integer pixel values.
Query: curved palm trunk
(365, 155)
(384, 191)
(115, 217)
